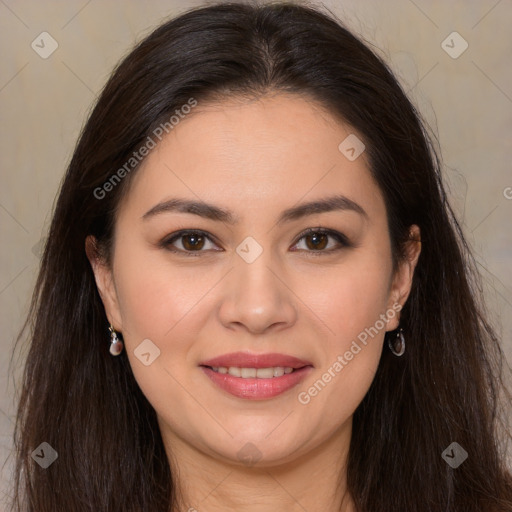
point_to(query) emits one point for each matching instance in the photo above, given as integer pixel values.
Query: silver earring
(397, 345)
(116, 345)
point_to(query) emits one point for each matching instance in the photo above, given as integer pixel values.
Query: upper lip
(250, 360)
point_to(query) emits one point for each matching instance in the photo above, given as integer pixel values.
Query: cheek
(157, 301)
(350, 297)
(154, 294)
(350, 302)
(169, 305)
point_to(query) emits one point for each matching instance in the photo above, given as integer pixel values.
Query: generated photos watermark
(137, 156)
(305, 397)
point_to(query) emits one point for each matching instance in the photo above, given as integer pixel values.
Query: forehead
(254, 154)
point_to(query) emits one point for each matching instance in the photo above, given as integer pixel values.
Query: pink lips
(256, 388)
(247, 360)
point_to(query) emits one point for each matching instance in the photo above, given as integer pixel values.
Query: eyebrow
(216, 213)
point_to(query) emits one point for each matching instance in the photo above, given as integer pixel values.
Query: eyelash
(339, 237)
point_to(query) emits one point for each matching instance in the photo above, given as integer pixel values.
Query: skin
(255, 158)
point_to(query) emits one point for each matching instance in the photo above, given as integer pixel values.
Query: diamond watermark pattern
(44, 455)
(147, 352)
(454, 455)
(249, 454)
(38, 248)
(249, 250)
(352, 147)
(454, 45)
(44, 45)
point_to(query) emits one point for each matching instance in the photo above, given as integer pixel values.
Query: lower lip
(254, 388)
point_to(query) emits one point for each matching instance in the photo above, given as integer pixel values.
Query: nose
(257, 297)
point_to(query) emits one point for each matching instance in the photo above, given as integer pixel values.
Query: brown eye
(317, 241)
(193, 241)
(188, 242)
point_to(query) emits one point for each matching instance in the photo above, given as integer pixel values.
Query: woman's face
(249, 281)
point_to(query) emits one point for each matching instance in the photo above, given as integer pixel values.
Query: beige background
(44, 102)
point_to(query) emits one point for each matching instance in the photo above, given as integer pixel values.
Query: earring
(116, 345)
(397, 345)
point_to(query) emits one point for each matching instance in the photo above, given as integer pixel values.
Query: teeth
(247, 373)
(278, 371)
(265, 373)
(251, 373)
(236, 372)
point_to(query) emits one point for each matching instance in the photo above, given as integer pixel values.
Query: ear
(104, 278)
(402, 280)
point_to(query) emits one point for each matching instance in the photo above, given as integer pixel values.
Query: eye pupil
(197, 241)
(316, 236)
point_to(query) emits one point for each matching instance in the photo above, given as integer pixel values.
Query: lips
(259, 388)
(248, 360)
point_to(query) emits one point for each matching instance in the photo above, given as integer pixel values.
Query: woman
(254, 295)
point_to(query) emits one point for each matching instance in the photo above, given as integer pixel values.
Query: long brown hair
(87, 405)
